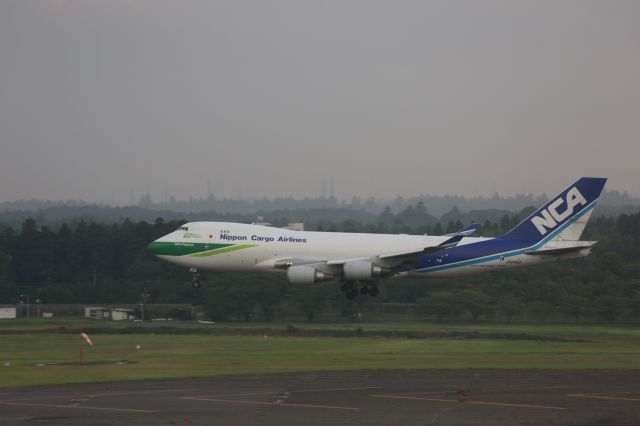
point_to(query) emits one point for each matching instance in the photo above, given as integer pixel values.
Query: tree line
(85, 262)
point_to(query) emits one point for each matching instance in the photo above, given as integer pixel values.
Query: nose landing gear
(195, 277)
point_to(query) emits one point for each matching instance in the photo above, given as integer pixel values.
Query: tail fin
(564, 217)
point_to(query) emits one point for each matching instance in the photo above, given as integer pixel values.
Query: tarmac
(400, 397)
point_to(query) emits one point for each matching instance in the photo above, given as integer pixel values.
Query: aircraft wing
(466, 231)
(396, 258)
(388, 260)
(451, 242)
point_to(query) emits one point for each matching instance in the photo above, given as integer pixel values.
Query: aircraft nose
(155, 247)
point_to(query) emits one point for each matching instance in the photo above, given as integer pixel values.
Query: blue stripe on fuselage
(486, 251)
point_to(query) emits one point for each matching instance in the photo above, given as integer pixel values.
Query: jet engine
(306, 275)
(360, 270)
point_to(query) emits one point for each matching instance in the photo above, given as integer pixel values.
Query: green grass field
(165, 356)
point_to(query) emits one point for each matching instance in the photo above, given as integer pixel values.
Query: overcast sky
(270, 98)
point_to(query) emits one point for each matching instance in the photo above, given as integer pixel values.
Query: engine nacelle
(360, 270)
(306, 275)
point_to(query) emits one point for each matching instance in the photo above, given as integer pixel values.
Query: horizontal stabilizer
(556, 250)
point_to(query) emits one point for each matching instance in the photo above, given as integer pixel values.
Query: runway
(435, 397)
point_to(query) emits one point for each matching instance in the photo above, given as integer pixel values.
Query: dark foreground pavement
(461, 397)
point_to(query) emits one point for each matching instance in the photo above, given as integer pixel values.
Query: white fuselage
(269, 244)
(219, 246)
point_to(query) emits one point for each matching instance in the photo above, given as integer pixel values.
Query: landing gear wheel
(195, 277)
(373, 291)
(350, 288)
(365, 290)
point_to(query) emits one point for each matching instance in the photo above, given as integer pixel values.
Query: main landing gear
(351, 290)
(195, 277)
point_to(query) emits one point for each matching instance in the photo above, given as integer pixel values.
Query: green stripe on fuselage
(223, 250)
(165, 248)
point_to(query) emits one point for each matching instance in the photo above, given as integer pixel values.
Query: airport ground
(355, 373)
(400, 397)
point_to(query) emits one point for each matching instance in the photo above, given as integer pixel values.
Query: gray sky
(271, 97)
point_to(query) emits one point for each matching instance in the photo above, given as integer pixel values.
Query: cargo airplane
(359, 261)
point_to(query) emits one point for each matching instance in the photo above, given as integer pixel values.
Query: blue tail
(561, 212)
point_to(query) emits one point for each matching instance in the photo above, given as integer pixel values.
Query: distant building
(260, 221)
(96, 312)
(295, 226)
(122, 314)
(291, 226)
(7, 312)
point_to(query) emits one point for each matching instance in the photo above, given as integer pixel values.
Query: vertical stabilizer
(564, 217)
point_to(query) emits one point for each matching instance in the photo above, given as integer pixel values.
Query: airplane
(359, 261)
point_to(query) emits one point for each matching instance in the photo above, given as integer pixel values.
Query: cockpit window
(183, 228)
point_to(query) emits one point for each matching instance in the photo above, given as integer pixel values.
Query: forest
(93, 263)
